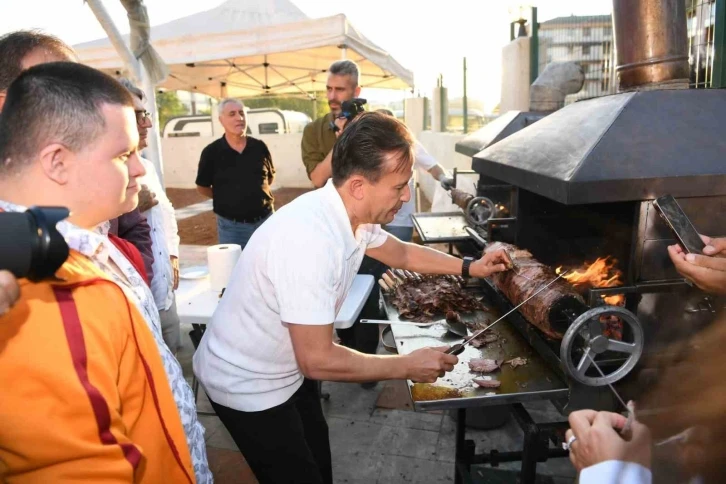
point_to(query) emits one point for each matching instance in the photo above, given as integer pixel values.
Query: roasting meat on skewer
(526, 276)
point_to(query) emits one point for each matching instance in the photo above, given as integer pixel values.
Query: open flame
(601, 273)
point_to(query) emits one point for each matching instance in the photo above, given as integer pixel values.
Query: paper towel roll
(221, 259)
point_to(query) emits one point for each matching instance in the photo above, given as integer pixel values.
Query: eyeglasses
(142, 116)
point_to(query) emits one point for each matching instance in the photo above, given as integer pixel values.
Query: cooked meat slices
(487, 383)
(515, 362)
(484, 365)
(421, 298)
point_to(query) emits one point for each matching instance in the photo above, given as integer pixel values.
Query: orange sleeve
(62, 353)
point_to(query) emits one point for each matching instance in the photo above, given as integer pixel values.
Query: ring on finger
(568, 445)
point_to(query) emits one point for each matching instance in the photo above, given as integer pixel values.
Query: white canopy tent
(246, 48)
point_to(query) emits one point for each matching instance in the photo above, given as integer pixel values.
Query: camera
(349, 110)
(30, 245)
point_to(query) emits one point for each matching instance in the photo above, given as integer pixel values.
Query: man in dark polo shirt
(236, 172)
(317, 153)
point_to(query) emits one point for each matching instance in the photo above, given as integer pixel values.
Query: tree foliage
(168, 106)
(303, 105)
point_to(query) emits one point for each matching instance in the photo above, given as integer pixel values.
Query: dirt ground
(202, 229)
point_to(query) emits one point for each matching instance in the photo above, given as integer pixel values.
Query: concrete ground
(370, 444)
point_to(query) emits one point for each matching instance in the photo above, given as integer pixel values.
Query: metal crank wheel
(478, 211)
(589, 328)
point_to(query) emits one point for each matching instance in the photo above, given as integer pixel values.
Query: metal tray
(534, 381)
(440, 227)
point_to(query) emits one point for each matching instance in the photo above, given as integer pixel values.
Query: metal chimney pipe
(651, 43)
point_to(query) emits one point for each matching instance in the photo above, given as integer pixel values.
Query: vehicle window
(268, 128)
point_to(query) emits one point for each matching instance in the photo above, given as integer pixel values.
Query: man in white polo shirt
(272, 335)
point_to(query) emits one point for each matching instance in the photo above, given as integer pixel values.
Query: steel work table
(534, 381)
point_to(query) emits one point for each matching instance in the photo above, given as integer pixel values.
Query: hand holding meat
(9, 291)
(597, 439)
(490, 263)
(428, 364)
(708, 272)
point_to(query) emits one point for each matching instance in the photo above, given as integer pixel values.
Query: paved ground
(370, 444)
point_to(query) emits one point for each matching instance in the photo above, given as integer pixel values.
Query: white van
(259, 121)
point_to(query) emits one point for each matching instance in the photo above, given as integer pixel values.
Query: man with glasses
(164, 231)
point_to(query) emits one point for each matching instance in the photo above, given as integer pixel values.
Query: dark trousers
(364, 337)
(287, 444)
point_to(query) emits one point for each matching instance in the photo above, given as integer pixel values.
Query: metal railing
(701, 23)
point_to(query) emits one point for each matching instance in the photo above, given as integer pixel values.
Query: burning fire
(601, 273)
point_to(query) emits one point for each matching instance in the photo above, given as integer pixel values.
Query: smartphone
(680, 225)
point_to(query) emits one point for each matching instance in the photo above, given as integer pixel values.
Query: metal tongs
(459, 348)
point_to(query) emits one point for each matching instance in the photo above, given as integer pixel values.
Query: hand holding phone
(681, 227)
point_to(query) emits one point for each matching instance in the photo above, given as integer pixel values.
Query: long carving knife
(459, 348)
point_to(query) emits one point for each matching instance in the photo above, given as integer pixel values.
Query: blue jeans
(401, 232)
(231, 232)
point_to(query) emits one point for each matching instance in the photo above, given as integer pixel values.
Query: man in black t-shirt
(236, 172)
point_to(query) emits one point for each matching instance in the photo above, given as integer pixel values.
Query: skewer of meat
(541, 311)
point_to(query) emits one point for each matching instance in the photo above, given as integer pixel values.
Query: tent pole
(114, 36)
(140, 75)
(154, 149)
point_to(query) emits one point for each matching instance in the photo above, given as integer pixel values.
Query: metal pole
(114, 36)
(719, 46)
(153, 151)
(442, 123)
(137, 71)
(534, 48)
(511, 31)
(465, 106)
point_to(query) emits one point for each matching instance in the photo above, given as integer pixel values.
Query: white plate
(196, 272)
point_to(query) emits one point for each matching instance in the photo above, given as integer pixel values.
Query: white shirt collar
(350, 240)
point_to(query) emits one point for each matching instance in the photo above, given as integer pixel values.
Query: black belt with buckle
(249, 220)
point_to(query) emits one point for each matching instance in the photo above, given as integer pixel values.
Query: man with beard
(317, 154)
(271, 337)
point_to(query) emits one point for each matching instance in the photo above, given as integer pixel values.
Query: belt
(252, 220)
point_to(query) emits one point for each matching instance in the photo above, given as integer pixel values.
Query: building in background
(587, 40)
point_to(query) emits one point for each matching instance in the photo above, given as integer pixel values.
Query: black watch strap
(465, 266)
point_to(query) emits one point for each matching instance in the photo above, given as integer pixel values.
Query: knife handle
(456, 349)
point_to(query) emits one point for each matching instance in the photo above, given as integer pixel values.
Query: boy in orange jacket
(88, 393)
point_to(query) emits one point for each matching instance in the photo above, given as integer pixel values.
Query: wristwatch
(465, 266)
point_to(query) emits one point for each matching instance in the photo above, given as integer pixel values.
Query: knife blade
(457, 349)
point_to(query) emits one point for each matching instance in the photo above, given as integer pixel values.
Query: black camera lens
(30, 245)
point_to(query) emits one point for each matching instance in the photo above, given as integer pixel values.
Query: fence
(701, 21)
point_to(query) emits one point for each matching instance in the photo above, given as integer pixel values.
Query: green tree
(168, 106)
(289, 103)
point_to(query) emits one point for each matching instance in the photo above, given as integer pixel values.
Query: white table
(196, 302)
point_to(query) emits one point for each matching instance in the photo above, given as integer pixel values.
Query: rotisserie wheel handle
(478, 211)
(584, 341)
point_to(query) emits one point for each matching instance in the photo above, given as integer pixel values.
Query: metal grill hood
(629, 146)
